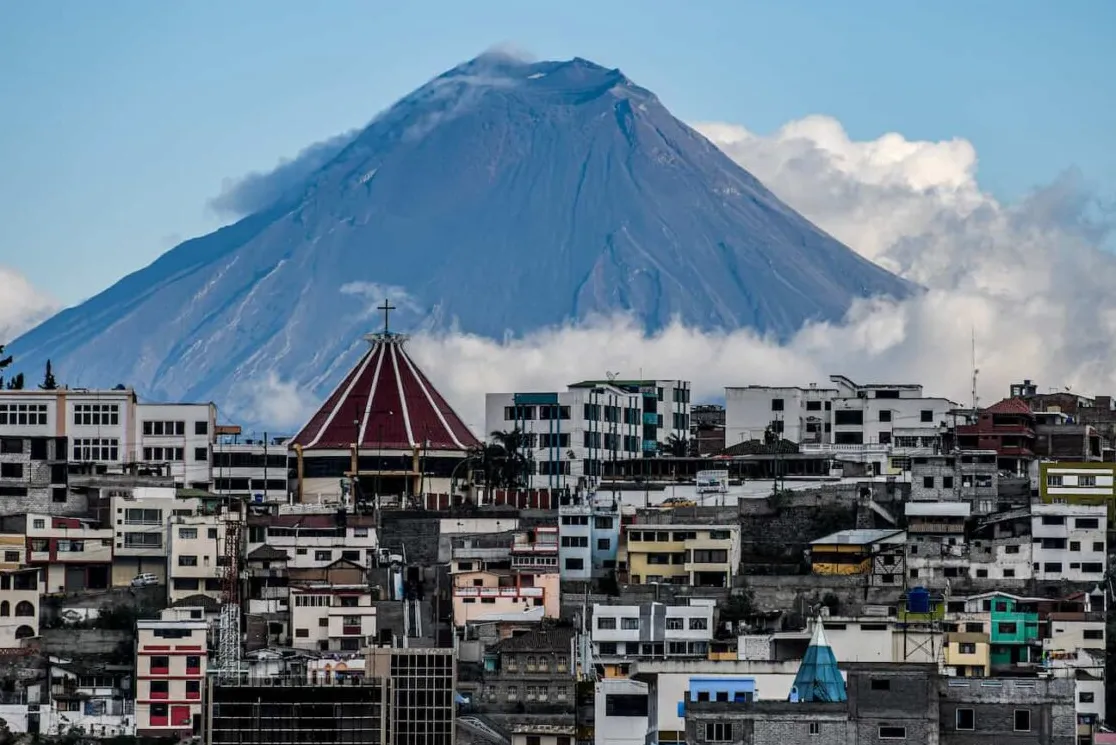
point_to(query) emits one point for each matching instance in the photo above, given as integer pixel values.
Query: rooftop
(857, 537)
(938, 509)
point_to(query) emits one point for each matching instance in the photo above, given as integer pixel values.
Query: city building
(95, 700)
(171, 657)
(622, 634)
(1008, 427)
(73, 554)
(179, 435)
(534, 669)
(801, 415)
(315, 535)
(1069, 542)
(620, 712)
(33, 466)
(251, 468)
(422, 682)
(19, 606)
(196, 555)
(588, 535)
(1078, 483)
(385, 430)
(570, 434)
(141, 520)
(876, 552)
(332, 618)
(966, 476)
(694, 555)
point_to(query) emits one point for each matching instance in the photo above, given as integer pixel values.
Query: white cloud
(1031, 280)
(284, 405)
(21, 305)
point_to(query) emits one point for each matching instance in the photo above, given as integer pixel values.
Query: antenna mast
(228, 631)
(976, 372)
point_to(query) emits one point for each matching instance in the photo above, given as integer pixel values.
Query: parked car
(147, 579)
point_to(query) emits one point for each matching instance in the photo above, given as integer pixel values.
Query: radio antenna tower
(228, 631)
(976, 372)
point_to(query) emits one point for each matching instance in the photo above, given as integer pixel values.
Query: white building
(313, 536)
(800, 414)
(111, 428)
(170, 673)
(332, 618)
(622, 633)
(19, 607)
(620, 712)
(588, 535)
(1069, 542)
(252, 468)
(571, 433)
(96, 701)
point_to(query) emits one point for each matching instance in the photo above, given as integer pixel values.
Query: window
(1022, 720)
(699, 624)
(927, 482)
(143, 517)
(815, 728)
(848, 417)
(96, 449)
(1092, 567)
(1094, 634)
(885, 415)
(96, 415)
(11, 557)
(11, 470)
(777, 404)
(892, 733)
(201, 428)
(160, 689)
(604, 544)
(881, 684)
(193, 663)
(27, 414)
(1053, 479)
(576, 565)
(323, 555)
(193, 689)
(1085, 697)
(1086, 523)
(1074, 546)
(158, 715)
(201, 455)
(813, 405)
(351, 555)
(926, 416)
(964, 719)
(143, 540)
(187, 533)
(629, 624)
(1098, 546)
(718, 732)
(966, 648)
(1052, 567)
(160, 664)
(606, 623)
(1086, 481)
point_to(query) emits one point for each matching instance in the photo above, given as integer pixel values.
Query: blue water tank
(918, 600)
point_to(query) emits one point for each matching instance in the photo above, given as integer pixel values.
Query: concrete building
(19, 607)
(1069, 542)
(181, 436)
(141, 520)
(694, 555)
(170, 673)
(332, 618)
(33, 471)
(623, 633)
(196, 555)
(1008, 427)
(95, 700)
(570, 434)
(422, 682)
(535, 669)
(315, 536)
(937, 542)
(876, 553)
(621, 710)
(255, 469)
(1078, 483)
(74, 554)
(588, 535)
(800, 415)
(966, 476)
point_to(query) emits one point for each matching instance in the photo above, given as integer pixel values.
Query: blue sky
(121, 119)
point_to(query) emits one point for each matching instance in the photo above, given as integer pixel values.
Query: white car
(147, 579)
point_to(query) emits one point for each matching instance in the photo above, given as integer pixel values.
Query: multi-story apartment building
(74, 554)
(1069, 542)
(19, 606)
(315, 536)
(141, 520)
(332, 618)
(196, 555)
(533, 668)
(170, 673)
(570, 434)
(694, 555)
(1078, 483)
(33, 467)
(966, 476)
(588, 535)
(798, 414)
(1008, 427)
(623, 633)
(252, 468)
(111, 428)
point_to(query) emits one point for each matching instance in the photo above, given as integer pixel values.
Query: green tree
(49, 383)
(16, 383)
(504, 460)
(678, 447)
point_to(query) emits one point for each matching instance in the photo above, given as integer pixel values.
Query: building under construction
(399, 696)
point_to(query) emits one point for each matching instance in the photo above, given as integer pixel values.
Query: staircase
(479, 728)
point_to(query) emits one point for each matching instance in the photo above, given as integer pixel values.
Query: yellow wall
(980, 658)
(13, 543)
(1049, 494)
(858, 561)
(638, 551)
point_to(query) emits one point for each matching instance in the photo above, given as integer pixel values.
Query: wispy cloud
(22, 305)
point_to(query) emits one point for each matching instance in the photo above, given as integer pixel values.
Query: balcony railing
(498, 592)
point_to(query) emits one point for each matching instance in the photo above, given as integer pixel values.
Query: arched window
(24, 608)
(5, 608)
(24, 632)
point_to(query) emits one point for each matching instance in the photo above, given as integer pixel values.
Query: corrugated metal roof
(858, 537)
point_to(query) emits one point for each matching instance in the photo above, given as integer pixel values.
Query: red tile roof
(1009, 406)
(386, 402)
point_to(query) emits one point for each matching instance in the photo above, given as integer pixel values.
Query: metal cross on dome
(387, 308)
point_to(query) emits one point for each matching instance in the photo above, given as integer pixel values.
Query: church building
(385, 430)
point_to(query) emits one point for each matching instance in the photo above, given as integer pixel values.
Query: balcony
(498, 592)
(651, 417)
(874, 448)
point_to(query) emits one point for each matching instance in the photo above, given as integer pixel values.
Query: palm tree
(503, 461)
(678, 447)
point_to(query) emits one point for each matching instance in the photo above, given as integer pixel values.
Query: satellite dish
(611, 376)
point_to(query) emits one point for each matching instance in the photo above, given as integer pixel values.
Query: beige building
(196, 544)
(170, 673)
(694, 555)
(141, 522)
(332, 618)
(19, 607)
(74, 554)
